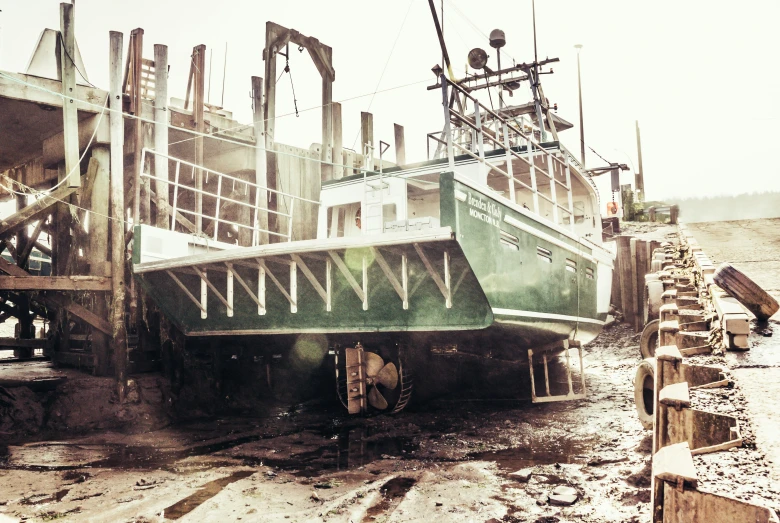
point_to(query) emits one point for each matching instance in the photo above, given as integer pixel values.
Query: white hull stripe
(545, 316)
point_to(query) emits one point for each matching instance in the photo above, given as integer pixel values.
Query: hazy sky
(700, 76)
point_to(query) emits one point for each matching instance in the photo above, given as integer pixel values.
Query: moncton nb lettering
(484, 217)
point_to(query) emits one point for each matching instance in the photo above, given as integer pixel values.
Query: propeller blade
(388, 376)
(376, 400)
(374, 363)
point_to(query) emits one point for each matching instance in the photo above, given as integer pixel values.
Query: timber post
(97, 251)
(338, 143)
(119, 330)
(161, 133)
(70, 121)
(261, 161)
(400, 147)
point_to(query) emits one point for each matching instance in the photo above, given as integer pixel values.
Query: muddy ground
(450, 459)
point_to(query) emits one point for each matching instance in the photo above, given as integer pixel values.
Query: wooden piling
(23, 304)
(261, 159)
(135, 58)
(199, 61)
(97, 252)
(116, 187)
(400, 147)
(367, 137)
(641, 270)
(161, 134)
(627, 281)
(326, 155)
(67, 48)
(338, 142)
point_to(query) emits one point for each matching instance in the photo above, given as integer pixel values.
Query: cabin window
(589, 273)
(509, 241)
(571, 265)
(544, 254)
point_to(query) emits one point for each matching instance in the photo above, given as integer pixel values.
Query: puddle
(204, 493)
(516, 458)
(345, 449)
(41, 499)
(351, 449)
(392, 493)
(53, 456)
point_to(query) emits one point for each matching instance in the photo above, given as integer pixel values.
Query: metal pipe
(582, 124)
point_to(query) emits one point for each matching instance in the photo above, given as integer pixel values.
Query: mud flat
(451, 459)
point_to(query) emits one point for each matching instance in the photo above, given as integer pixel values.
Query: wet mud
(455, 458)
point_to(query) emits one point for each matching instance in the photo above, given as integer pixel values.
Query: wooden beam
(338, 142)
(400, 147)
(261, 159)
(34, 211)
(117, 328)
(68, 74)
(30, 243)
(161, 134)
(55, 283)
(326, 155)
(77, 310)
(367, 136)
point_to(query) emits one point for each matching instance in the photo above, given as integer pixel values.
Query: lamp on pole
(579, 88)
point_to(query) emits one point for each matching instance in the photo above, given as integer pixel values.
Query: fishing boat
(491, 246)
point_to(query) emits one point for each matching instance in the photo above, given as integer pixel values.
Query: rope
(387, 62)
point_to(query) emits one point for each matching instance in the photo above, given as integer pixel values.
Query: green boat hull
(508, 279)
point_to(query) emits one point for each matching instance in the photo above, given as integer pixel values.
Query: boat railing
(258, 210)
(457, 123)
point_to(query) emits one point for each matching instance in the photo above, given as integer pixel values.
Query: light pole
(582, 125)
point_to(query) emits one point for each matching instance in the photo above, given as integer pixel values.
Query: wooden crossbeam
(290, 298)
(349, 277)
(444, 285)
(77, 310)
(260, 305)
(34, 211)
(186, 291)
(401, 288)
(55, 283)
(211, 286)
(313, 279)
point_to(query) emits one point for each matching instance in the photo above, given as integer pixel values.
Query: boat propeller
(365, 372)
(379, 373)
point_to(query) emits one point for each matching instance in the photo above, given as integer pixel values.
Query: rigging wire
(387, 62)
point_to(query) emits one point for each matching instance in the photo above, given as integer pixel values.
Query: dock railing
(488, 126)
(256, 209)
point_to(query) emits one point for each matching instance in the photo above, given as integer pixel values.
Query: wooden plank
(35, 343)
(77, 310)
(690, 506)
(673, 463)
(746, 291)
(34, 211)
(55, 283)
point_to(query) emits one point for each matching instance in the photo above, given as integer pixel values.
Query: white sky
(700, 76)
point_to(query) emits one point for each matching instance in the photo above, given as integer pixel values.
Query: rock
(522, 474)
(563, 496)
(439, 503)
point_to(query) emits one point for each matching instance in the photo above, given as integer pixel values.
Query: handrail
(254, 208)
